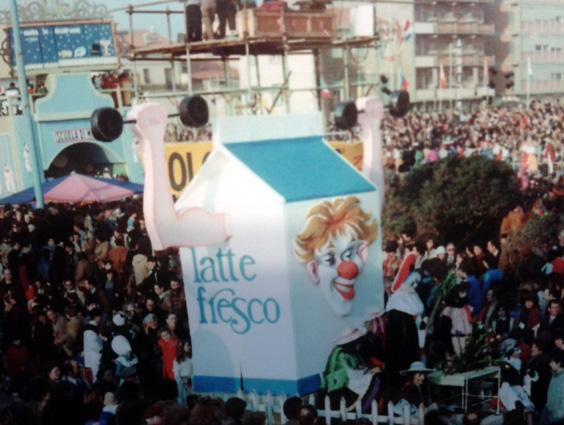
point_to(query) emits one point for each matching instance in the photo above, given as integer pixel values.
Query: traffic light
(384, 84)
(509, 83)
(492, 76)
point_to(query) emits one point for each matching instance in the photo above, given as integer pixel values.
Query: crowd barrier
(272, 407)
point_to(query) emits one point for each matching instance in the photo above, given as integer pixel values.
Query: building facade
(531, 44)
(452, 52)
(419, 38)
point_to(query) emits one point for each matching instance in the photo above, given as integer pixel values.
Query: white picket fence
(271, 406)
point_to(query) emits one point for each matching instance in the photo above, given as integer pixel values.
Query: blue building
(62, 125)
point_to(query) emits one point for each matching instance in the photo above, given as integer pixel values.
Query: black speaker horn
(346, 115)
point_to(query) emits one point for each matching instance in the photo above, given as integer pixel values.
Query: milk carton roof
(300, 168)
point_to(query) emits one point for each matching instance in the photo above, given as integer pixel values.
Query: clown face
(335, 269)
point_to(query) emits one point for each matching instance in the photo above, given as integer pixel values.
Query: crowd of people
(513, 301)
(94, 327)
(529, 139)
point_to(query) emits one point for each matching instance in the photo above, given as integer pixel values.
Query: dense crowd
(530, 139)
(503, 303)
(94, 327)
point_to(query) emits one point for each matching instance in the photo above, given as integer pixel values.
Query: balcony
(543, 57)
(424, 27)
(465, 28)
(464, 93)
(468, 59)
(542, 26)
(454, 28)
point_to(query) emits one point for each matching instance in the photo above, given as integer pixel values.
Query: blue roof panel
(300, 169)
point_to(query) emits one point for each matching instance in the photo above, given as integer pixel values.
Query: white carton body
(258, 320)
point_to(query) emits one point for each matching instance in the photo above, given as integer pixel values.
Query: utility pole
(22, 83)
(450, 73)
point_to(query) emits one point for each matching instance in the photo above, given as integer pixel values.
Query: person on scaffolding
(193, 20)
(226, 11)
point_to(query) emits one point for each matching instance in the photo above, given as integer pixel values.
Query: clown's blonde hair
(328, 220)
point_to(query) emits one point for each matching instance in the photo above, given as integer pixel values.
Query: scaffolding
(260, 32)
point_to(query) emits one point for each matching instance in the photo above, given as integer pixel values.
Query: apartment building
(531, 44)
(453, 51)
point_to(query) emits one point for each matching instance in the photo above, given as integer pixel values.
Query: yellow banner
(183, 160)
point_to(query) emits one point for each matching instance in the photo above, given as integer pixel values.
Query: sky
(140, 21)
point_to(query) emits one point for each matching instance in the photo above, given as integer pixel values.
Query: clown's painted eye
(347, 255)
(329, 259)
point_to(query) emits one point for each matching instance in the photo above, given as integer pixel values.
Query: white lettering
(73, 135)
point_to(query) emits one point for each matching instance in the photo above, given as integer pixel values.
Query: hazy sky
(156, 22)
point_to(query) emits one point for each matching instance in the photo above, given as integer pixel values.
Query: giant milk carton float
(280, 246)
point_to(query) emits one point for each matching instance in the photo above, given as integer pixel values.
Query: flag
(529, 67)
(404, 84)
(407, 31)
(442, 77)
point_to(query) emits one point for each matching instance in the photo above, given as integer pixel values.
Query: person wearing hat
(402, 345)
(126, 358)
(511, 391)
(414, 392)
(348, 374)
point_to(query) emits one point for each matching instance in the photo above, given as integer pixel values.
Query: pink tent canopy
(78, 188)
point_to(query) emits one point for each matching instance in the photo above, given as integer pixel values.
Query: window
(557, 76)
(146, 76)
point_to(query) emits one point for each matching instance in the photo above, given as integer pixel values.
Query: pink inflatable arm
(166, 227)
(370, 116)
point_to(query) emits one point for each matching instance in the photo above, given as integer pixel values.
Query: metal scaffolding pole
(346, 69)
(285, 74)
(188, 69)
(172, 66)
(37, 169)
(131, 43)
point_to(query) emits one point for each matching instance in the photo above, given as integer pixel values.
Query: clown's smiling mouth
(345, 288)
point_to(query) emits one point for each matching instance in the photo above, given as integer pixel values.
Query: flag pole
(529, 69)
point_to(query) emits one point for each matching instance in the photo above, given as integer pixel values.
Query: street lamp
(26, 110)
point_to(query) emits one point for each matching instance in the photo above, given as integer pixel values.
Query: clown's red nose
(347, 270)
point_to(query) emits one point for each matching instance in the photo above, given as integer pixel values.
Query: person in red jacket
(167, 345)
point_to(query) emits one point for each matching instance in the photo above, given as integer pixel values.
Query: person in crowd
(537, 373)
(93, 344)
(168, 345)
(67, 271)
(183, 370)
(553, 413)
(415, 394)
(554, 319)
(308, 415)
